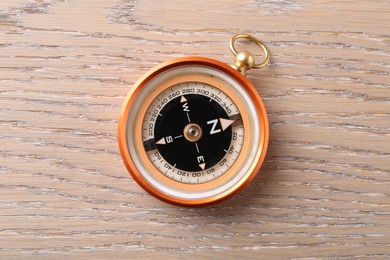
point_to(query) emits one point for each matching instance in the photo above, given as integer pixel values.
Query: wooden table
(66, 66)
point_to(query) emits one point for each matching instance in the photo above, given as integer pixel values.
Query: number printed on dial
(192, 132)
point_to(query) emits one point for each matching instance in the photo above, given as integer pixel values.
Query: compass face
(193, 131)
(197, 132)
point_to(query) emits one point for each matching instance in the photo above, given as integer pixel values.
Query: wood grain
(323, 191)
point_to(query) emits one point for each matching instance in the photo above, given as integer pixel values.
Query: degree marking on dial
(197, 148)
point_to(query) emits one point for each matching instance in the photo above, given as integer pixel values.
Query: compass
(193, 131)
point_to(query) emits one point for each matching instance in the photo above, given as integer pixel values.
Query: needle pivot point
(192, 132)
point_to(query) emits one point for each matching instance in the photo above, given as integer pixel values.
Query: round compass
(193, 131)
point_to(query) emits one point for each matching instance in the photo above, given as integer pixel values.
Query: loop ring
(255, 40)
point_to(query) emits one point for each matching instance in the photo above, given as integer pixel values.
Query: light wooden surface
(66, 66)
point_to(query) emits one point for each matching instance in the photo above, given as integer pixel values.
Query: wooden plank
(66, 66)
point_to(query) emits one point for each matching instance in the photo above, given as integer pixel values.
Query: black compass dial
(192, 132)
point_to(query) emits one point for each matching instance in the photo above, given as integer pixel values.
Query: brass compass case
(193, 131)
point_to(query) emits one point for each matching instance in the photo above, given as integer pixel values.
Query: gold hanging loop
(244, 59)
